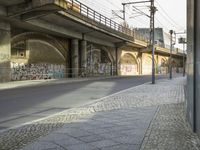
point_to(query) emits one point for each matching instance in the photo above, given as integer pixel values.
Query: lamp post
(170, 58)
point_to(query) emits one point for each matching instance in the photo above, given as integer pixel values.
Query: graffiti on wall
(21, 71)
(128, 69)
(105, 68)
(99, 68)
(98, 63)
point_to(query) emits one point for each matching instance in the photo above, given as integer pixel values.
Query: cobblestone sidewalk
(143, 117)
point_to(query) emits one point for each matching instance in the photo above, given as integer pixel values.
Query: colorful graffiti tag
(128, 69)
(105, 68)
(36, 71)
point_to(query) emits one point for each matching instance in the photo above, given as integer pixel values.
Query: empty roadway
(24, 104)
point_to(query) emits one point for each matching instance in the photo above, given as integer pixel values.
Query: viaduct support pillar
(74, 58)
(140, 63)
(5, 52)
(116, 61)
(83, 58)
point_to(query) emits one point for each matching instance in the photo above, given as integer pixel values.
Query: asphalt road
(21, 105)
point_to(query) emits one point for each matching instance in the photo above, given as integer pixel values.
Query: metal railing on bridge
(86, 11)
(81, 8)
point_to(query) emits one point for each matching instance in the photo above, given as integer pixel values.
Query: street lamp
(170, 58)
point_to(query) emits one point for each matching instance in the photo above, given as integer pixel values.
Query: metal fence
(84, 10)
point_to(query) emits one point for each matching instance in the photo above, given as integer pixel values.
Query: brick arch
(134, 56)
(164, 66)
(174, 63)
(164, 62)
(131, 66)
(102, 60)
(110, 56)
(45, 43)
(51, 41)
(147, 64)
(150, 57)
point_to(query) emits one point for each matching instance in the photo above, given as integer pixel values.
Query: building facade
(193, 64)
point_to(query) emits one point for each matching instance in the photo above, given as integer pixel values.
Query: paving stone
(110, 135)
(81, 147)
(120, 128)
(73, 132)
(99, 130)
(42, 146)
(122, 147)
(134, 132)
(104, 143)
(173, 133)
(91, 138)
(114, 121)
(129, 139)
(61, 139)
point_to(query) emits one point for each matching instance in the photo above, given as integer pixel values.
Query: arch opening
(164, 66)
(35, 58)
(99, 62)
(128, 65)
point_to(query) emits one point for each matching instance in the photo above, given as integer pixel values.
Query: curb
(35, 83)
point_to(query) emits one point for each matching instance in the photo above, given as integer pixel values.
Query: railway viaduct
(43, 39)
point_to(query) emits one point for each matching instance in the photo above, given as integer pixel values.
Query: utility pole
(170, 58)
(152, 28)
(183, 41)
(129, 3)
(124, 12)
(183, 59)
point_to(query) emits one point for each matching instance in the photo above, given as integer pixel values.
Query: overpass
(42, 39)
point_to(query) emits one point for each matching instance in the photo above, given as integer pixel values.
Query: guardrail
(81, 8)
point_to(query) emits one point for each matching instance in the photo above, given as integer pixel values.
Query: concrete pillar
(116, 61)
(157, 64)
(75, 57)
(5, 52)
(83, 58)
(140, 64)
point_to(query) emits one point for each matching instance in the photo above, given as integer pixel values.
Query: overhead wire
(163, 26)
(166, 16)
(137, 15)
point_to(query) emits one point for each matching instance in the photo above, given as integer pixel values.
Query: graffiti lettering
(36, 71)
(128, 69)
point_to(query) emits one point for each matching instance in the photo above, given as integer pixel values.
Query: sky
(170, 15)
